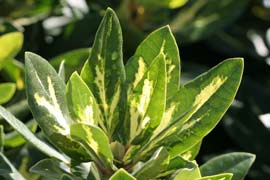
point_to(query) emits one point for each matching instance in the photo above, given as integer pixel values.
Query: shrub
(128, 122)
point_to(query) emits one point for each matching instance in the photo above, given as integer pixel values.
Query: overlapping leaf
(197, 108)
(81, 102)
(104, 71)
(46, 97)
(122, 174)
(159, 41)
(146, 99)
(95, 141)
(154, 166)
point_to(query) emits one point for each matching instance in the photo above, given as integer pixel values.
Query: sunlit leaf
(104, 71)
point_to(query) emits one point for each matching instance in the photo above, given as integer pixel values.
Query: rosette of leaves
(128, 122)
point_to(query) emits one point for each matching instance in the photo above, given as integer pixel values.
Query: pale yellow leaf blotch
(208, 91)
(53, 108)
(140, 73)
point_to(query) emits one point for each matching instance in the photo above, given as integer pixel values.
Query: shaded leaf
(50, 168)
(74, 60)
(164, 3)
(95, 141)
(7, 90)
(61, 71)
(29, 136)
(155, 165)
(14, 139)
(225, 176)
(200, 19)
(236, 163)
(7, 170)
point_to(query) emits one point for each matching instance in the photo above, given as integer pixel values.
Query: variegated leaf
(81, 102)
(225, 176)
(95, 141)
(197, 108)
(30, 137)
(7, 170)
(104, 71)
(46, 97)
(178, 164)
(146, 99)
(122, 174)
(191, 153)
(191, 172)
(155, 165)
(161, 41)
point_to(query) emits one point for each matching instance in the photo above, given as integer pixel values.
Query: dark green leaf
(236, 163)
(49, 168)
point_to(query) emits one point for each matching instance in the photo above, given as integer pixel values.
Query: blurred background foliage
(207, 31)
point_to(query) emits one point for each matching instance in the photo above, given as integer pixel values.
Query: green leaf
(10, 45)
(104, 71)
(160, 41)
(200, 19)
(7, 170)
(95, 141)
(236, 163)
(49, 168)
(225, 176)
(191, 153)
(122, 174)
(81, 102)
(13, 70)
(61, 71)
(74, 60)
(14, 139)
(190, 172)
(197, 108)
(154, 166)
(7, 90)
(2, 138)
(179, 165)
(146, 101)
(93, 173)
(163, 3)
(46, 98)
(45, 93)
(30, 137)
(66, 177)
